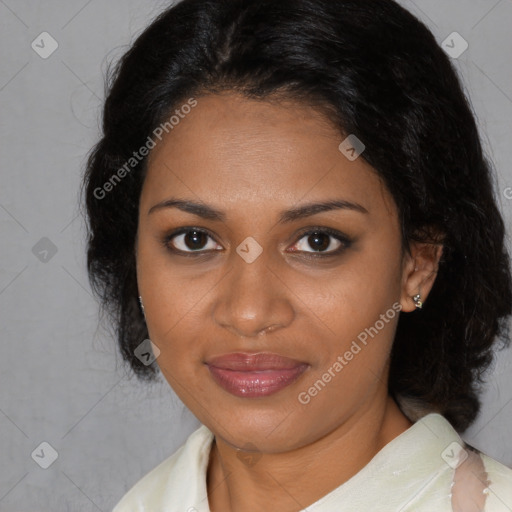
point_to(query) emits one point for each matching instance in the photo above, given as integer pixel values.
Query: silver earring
(417, 301)
(142, 307)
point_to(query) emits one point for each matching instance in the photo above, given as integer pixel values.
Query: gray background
(61, 380)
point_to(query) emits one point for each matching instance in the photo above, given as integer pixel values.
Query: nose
(252, 300)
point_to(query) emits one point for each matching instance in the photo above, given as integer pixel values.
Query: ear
(419, 272)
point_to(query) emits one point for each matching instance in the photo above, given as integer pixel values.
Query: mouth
(254, 375)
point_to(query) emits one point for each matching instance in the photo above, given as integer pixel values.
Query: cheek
(360, 306)
(353, 295)
(176, 301)
(353, 360)
(171, 292)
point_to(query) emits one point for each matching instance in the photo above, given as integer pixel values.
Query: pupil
(193, 239)
(319, 241)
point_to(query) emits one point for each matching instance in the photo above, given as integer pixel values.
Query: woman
(291, 202)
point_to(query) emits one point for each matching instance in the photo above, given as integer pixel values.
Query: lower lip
(255, 384)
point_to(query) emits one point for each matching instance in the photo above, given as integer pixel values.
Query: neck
(291, 481)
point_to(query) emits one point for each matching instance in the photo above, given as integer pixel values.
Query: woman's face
(243, 272)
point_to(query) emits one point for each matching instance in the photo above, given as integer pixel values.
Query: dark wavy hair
(377, 72)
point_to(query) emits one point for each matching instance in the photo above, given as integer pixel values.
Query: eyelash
(343, 239)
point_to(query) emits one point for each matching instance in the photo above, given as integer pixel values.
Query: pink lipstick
(254, 375)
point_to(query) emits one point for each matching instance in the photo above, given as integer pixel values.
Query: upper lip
(243, 361)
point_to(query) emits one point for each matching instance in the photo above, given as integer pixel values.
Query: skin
(252, 160)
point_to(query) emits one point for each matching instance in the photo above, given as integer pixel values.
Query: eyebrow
(210, 213)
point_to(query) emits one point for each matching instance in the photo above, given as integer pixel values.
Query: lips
(254, 375)
(253, 362)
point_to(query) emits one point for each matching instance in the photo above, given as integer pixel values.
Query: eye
(317, 242)
(190, 240)
(322, 241)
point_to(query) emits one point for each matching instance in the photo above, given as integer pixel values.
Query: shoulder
(180, 477)
(465, 477)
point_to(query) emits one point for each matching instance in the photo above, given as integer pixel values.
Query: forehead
(230, 149)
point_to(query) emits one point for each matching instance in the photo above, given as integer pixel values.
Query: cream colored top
(427, 468)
